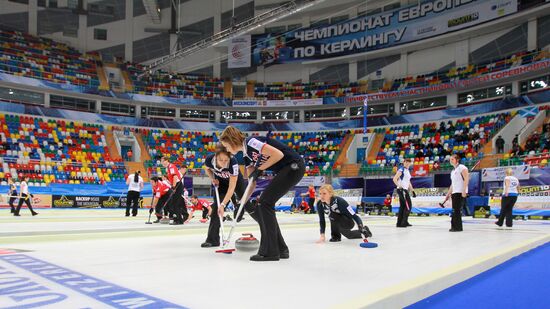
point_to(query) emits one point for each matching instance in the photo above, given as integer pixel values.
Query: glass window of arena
(425, 103)
(231, 115)
(158, 112)
(115, 108)
(72, 103)
(280, 115)
(325, 113)
(534, 84)
(21, 96)
(487, 93)
(372, 109)
(195, 114)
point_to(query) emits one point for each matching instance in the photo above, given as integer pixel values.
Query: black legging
(132, 200)
(12, 199)
(24, 199)
(506, 207)
(272, 242)
(342, 225)
(458, 202)
(404, 201)
(177, 205)
(213, 236)
(311, 203)
(161, 205)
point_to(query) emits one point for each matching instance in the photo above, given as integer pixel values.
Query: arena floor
(100, 259)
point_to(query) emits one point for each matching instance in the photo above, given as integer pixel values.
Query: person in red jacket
(387, 201)
(311, 200)
(198, 205)
(304, 206)
(161, 194)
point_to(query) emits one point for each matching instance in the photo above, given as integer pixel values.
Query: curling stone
(247, 243)
(203, 220)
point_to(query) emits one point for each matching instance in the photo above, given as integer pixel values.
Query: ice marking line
(100, 290)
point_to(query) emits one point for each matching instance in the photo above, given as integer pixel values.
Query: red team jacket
(161, 189)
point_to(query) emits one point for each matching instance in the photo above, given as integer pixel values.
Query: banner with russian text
(365, 33)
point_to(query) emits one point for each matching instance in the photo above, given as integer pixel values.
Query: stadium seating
(319, 149)
(536, 151)
(174, 84)
(432, 144)
(26, 55)
(55, 151)
(190, 148)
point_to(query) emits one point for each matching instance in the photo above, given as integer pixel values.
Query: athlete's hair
(165, 158)
(136, 176)
(407, 160)
(232, 136)
(195, 196)
(509, 172)
(329, 189)
(155, 178)
(222, 150)
(456, 156)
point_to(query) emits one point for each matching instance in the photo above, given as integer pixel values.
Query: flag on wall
(239, 52)
(530, 111)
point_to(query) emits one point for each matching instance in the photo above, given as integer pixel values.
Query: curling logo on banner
(28, 285)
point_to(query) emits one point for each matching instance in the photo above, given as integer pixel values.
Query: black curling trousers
(404, 200)
(213, 236)
(506, 207)
(458, 203)
(272, 242)
(24, 199)
(132, 201)
(342, 225)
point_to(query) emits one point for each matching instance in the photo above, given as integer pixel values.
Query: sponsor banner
(86, 201)
(482, 212)
(28, 282)
(366, 33)
(532, 200)
(316, 181)
(300, 102)
(278, 103)
(521, 172)
(238, 55)
(38, 201)
(482, 79)
(247, 103)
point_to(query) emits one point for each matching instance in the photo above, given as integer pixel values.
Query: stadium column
(352, 71)
(82, 32)
(98, 106)
(452, 99)
(515, 87)
(397, 108)
(33, 17)
(532, 34)
(129, 25)
(462, 52)
(138, 111)
(46, 99)
(216, 9)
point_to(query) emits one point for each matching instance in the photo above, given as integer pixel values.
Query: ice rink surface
(100, 259)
